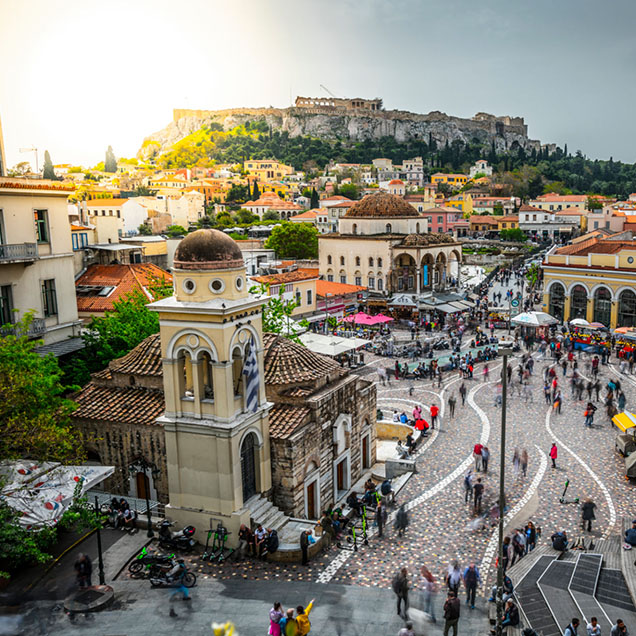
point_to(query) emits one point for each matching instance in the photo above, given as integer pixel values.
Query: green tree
(174, 231)
(294, 240)
(498, 210)
(277, 313)
(48, 172)
(256, 193)
(20, 169)
(594, 203)
(34, 414)
(514, 234)
(224, 219)
(349, 190)
(271, 215)
(143, 191)
(244, 217)
(145, 230)
(110, 163)
(315, 200)
(535, 186)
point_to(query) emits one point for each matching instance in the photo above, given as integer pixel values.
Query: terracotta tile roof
(126, 405)
(570, 212)
(287, 362)
(144, 359)
(341, 204)
(36, 184)
(124, 278)
(509, 217)
(571, 198)
(284, 420)
(324, 287)
(396, 182)
(337, 198)
(530, 208)
(477, 218)
(296, 275)
(309, 214)
(106, 203)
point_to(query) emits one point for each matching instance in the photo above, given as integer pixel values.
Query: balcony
(19, 253)
(37, 329)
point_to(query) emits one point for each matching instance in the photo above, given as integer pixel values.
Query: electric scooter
(563, 500)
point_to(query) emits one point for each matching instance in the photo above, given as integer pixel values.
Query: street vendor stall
(345, 350)
(534, 324)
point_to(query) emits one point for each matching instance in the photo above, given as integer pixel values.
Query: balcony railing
(37, 328)
(18, 252)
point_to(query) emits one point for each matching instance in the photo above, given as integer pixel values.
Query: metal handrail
(19, 252)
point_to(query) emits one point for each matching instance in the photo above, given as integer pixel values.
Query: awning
(403, 300)
(70, 345)
(624, 421)
(331, 345)
(447, 308)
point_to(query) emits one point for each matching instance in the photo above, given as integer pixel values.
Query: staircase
(269, 516)
(551, 588)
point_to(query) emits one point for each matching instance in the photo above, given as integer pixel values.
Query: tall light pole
(502, 495)
(100, 556)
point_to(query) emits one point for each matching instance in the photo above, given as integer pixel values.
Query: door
(248, 466)
(311, 501)
(143, 486)
(340, 471)
(365, 451)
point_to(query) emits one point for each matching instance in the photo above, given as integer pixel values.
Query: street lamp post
(500, 573)
(102, 578)
(143, 465)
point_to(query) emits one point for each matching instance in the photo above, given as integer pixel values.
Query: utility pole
(502, 495)
(102, 578)
(35, 150)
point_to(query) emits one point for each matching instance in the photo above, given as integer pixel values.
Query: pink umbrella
(360, 318)
(381, 319)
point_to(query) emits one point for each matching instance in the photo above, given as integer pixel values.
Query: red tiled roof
(126, 405)
(35, 184)
(285, 419)
(396, 182)
(530, 208)
(336, 198)
(483, 218)
(125, 279)
(296, 275)
(572, 198)
(309, 214)
(144, 359)
(106, 203)
(324, 287)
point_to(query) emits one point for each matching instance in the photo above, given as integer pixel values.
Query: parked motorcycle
(188, 580)
(150, 563)
(181, 540)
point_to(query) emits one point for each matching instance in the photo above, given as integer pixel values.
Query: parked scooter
(188, 580)
(150, 563)
(181, 540)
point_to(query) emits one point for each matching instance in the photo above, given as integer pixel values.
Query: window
(380, 284)
(371, 284)
(357, 260)
(358, 280)
(2, 239)
(370, 261)
(49, 298)
(41, 226)
(329, 259)
(309, 297)
(299, 298)
(379, 262)
(430, 220)
(342, 260)
(330, 278)
(355, 228)
(440, 220)
(6, 305)
(343, 279)
(388, 228)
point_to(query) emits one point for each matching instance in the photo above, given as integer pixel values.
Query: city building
(555, 226)
(441, 218)
(270, 201)
(554, 202)
(480, 167)
(267, 169)
(452, 179)
(483, 223)
(594, 279)
(298, 285)
(37, 262)
(508, 222)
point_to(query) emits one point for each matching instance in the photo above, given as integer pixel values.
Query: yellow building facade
(594, 280)
(452, 179)
(267, 169)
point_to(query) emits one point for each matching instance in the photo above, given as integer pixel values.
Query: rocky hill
(352, 124)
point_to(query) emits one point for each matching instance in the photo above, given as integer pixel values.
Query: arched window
(370, 261)
(557, 301)
(627, 309)
(578, 302)
(379, 262)
(329, 259)
(342, 260)
(357, 260)
(355, 228)
(417, 228)
(603, 306)
(205, 376)
(184, 369)
(237, 371)
(388, 228)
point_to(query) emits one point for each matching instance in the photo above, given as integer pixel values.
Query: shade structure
(380, 319)
(331, 345)
(624, 330)
(534, 319)
(624, 421)
(360, 319)
(597, 325)
(42, 492)
(579, 322)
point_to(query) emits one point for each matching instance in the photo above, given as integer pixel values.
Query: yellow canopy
(624, 421)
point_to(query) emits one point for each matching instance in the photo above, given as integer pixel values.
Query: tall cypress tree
(315, 201)
(110, 163)
(48, 172)
(256, 193)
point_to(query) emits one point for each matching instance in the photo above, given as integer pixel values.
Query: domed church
(237, 423)
(383, 243)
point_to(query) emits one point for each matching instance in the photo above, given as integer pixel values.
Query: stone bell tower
(217, 440)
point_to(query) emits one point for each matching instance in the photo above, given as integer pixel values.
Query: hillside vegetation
(517, 172)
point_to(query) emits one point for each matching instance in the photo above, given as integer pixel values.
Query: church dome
(208, 249)
(381, 205)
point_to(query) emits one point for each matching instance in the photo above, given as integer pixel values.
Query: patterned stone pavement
(439, 518)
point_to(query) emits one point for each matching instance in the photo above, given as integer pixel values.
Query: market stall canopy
(360, 319)
(402, 300)
(624, 330)
(331, 345)
(597, 325)
(625, 421)
(534, 319)
(579, 322)
(43, 492)
(380, 319)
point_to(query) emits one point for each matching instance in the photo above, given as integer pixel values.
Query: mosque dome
(208, 249)
(381, 205)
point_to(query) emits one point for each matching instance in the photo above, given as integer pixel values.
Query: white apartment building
(36, 262)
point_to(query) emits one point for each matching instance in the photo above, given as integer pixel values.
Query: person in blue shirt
(471, 580)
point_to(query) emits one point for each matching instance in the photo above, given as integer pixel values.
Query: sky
(79, 75)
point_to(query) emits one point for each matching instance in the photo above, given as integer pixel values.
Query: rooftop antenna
(35, 150)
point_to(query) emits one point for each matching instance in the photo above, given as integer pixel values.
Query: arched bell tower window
(205, 375)
(388, 228)
(184, 365)
(237, 371)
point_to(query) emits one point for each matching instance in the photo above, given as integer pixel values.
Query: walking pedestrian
(275, 616)
(619, 629)
(524, 462)
(553, 454)
(400, 585)
(84, 570)
(485, 457)
(434, 413)
(380, 516)
(587, 514)
(288, 623)
(572, 628)
(453, 577)
(516, 461)
(462, 393)
(304, 546)
(177, 573)
(451, 613)
(478, 491)
(452, 401)
(471, 580)
(468, 485)
(429, 588)
(407, 630)
(401, 520)
(477, 456)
